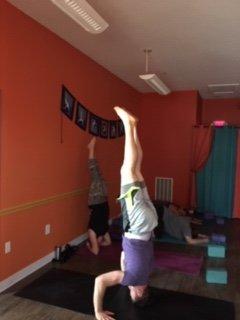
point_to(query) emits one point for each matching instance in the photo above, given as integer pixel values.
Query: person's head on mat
(139, 294)
(139, 221)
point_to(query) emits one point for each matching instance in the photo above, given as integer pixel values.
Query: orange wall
(199, 109)
(166, 139)
(34, 164)
(221, 109)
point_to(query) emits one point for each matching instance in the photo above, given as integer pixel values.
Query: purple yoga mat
(180, 262)
(110, 253)
(175, 261)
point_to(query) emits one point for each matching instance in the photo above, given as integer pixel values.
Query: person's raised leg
(92, 161)
(92, 242)
(138, 171)
(139, 156)
(128, 174)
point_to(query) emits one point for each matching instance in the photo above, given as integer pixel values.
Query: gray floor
(15, 308)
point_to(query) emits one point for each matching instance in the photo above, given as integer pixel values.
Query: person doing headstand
(139, 220)
(98, 204)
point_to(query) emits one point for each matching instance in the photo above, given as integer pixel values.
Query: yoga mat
(179, 262)
(110, 253)
(168, 239)
(184, 263)
(74, 291)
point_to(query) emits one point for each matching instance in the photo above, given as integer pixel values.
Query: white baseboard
(7, 283)
(78, 240)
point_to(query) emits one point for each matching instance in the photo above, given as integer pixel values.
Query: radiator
(164, 189)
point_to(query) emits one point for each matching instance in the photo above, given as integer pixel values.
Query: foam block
(216, 251)
(218, 238)
(208, 215)
(220, 221)
(217, 276)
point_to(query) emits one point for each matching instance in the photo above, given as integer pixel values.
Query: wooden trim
(41, 202)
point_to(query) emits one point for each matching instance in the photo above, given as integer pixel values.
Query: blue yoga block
(220, 221)
(217, 276)
(218, 238)
(216, 251)
(209, 215)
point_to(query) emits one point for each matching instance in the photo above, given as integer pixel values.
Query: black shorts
(99, 218)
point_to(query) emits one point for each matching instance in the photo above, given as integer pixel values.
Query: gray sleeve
(186, 229)
(94, 169)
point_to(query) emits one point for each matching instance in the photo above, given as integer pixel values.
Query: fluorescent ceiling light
(82, 13)
(153, 81)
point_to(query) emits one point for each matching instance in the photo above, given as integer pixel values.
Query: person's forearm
(196, 241)
(99, 291)
(101, 283)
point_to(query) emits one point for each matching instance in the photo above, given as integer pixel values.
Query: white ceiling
(194, 42)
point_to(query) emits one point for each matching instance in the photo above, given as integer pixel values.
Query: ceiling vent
(227, 89)
(81, 12)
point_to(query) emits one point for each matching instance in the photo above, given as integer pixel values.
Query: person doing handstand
(139, 220)
(98, 204)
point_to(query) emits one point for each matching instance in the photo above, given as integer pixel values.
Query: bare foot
(125, 115)
(196, 221)
(203, 236)
(92, 143)
(91, 249)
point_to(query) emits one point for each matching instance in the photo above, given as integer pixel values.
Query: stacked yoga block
(217, 275)
(220, 221)
(218, 238)
(217, 249)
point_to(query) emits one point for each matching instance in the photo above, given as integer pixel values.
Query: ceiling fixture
(152, 79)
(224, 89)
(81, 12)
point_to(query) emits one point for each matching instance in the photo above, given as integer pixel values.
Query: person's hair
(159, 206)
(142, 301)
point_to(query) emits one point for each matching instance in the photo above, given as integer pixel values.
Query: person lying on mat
(179, 226)
(179, 211)
(139, 220)
(98, 204)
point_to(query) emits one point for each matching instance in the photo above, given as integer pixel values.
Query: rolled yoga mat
(74, 291)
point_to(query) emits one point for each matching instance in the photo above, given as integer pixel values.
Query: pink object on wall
(219, 123)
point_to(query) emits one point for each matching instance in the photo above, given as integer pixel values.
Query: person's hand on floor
(196, 221)
(104, 315)
(203, 237)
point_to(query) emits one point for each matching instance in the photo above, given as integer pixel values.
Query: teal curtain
(215, 182)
